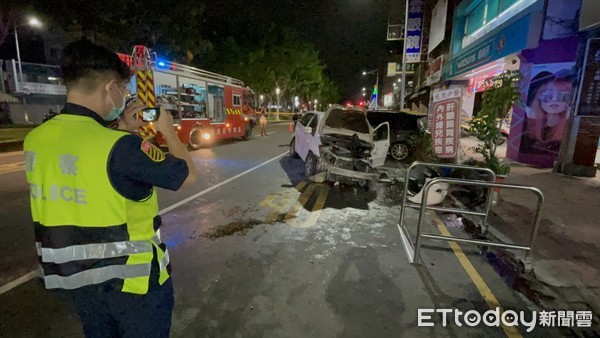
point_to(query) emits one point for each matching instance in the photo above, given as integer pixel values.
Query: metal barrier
(424, 207)
(491, 176)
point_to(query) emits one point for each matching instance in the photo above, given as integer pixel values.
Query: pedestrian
(94, 201)
(263, 121)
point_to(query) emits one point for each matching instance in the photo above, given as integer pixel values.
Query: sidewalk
(566, 256)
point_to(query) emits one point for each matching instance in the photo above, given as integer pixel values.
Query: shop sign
(388, 100)
(395, 68)
(509, 40)
(445, 124)
(434, 71)
(414, 31)
(588, 99)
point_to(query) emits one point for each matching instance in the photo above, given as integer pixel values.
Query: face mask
(116, 112)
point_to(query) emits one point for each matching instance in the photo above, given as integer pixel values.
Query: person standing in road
(94, 201)
(263, 121)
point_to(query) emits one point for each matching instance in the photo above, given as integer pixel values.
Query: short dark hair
(87, 64)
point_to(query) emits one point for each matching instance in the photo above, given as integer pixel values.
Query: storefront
(493, 36)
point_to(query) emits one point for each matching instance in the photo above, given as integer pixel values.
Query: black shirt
(131, 171)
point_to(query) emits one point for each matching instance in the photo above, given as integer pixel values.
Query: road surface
(259, 252)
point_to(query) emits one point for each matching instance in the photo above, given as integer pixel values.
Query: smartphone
(150, 114)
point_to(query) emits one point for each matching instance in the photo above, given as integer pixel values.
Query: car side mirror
(308, 130)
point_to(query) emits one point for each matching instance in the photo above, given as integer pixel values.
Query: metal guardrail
(403, 231)
(491, 175)
(424, 207)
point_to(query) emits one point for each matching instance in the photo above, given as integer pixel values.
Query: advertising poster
(445, 126)
(546, 106)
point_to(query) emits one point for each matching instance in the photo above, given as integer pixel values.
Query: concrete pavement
(259, 252)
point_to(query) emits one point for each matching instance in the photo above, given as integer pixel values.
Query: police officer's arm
(176, 148)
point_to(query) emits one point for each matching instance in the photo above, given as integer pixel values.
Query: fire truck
(206, 107)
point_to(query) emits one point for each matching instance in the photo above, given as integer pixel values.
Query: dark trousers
(112, 313)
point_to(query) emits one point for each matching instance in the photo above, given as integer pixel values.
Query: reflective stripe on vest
(96, 276)
(92, 251)
(87, 232)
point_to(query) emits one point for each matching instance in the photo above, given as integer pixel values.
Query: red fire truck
(205, 106)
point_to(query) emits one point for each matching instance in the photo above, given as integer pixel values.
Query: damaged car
(340, 145)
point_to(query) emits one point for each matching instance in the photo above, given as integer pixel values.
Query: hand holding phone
(150, 114)
(164, 122)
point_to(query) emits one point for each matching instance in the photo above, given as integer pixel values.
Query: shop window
(492, 10)
(475, 19)
(505, 4)
(486, 12)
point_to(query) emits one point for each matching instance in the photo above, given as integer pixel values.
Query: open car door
(381, 144)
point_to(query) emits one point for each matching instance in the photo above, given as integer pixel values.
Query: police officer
(94, 203)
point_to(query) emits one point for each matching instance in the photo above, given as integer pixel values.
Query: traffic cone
(291, 127)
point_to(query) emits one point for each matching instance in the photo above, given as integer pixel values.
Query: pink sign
(445, 127)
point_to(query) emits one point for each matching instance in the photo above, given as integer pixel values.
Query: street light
(33, 22)
(376, 72)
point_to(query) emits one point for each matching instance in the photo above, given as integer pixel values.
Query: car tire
(196, 140)
(311, 165)
(399, 151)
(293, 153)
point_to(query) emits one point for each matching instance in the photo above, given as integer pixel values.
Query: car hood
(339, 121)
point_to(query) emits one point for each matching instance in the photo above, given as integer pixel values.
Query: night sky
(349, 34)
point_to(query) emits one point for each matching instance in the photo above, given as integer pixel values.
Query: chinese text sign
(445, 124)
(414, 31)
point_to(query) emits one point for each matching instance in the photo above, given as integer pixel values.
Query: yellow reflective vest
(86, 232)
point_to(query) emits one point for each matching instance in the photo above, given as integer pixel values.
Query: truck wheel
(196, 139)
(293, 153)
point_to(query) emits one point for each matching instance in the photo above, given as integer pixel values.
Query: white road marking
(408, 248)
(29, 276)
(23, 279)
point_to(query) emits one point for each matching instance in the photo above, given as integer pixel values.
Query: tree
(497, 102)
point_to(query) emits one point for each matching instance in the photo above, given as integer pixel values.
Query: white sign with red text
(445, 124)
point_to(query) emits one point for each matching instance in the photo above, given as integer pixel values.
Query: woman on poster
(547, 109)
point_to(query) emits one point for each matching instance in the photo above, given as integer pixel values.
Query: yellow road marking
(480, 284)
(301, 202)
(317, 208)
(12, 167)
(267, 201)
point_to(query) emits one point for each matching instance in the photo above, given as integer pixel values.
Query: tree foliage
(277, 59)
(263, 55)
(497, 102)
